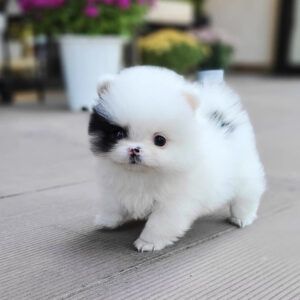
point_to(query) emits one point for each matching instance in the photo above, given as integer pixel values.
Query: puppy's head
(145, 119)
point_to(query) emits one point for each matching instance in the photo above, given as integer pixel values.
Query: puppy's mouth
(134, 159)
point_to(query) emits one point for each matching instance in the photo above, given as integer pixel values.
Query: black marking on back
(219, 119)
(104, 132)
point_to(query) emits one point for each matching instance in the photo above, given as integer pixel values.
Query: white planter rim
(95, 39)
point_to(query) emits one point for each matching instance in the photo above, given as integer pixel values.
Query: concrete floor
(49, 248)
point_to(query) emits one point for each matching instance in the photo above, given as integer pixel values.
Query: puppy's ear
(104, 84)
(191, 96)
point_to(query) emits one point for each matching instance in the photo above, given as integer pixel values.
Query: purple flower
(145, 2)
(36, 4)
(108, 2)
(124, 4)
(92, 11)
(25, 4)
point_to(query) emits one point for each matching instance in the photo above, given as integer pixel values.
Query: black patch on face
(104, 133)
(221, 122)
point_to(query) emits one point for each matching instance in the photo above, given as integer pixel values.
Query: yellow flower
(163, 40)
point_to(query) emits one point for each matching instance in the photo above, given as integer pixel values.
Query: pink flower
(92, 11)
(124, 4)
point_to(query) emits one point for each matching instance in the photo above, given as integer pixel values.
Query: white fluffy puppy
(170, 152)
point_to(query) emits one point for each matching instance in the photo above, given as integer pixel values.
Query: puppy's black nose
(134, 151)
(134, 155)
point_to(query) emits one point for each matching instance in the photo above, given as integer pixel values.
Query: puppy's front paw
(144, 246)
(241, 223)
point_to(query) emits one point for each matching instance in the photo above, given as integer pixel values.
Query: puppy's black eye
(159, 140)
(119, 134)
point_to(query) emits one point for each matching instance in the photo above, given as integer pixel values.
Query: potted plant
(221, 48)
(91, 33)
(172, 49)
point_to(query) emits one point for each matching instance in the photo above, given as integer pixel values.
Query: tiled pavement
(49, 248)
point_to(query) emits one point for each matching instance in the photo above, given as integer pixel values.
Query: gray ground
(50, 249)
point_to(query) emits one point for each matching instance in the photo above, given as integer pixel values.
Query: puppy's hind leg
(244, 207)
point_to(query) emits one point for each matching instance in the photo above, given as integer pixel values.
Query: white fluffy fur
(201, 168)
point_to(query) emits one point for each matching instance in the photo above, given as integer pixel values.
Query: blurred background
(52, 53)
(58, 49)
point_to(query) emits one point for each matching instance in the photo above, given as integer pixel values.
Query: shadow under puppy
(171, 151)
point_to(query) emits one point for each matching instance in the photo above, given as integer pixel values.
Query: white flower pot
(84, 60)
(2, 28)
(2, 22)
